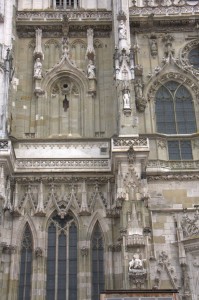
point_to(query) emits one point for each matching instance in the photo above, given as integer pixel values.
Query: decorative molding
(84, 251)
(86, 164)
(4, 145)
(55, 31)
(162, 143)
(38, 252)
(127, 142)
(59, 15)
(174, 10)
(115, 247)
(63, 179)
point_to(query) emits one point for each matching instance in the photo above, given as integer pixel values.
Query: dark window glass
(62, 259)
(180, 150)
(193, 57)
(97, 263)
(24, 292)
(174, 109)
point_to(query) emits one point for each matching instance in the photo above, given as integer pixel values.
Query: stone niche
(64, 108)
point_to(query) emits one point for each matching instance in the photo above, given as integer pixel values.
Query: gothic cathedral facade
(99, 148)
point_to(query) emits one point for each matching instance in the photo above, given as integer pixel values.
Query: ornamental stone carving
(164, 265)
(153, 45)
(38, 53)
(136, 263)
(190, 226)
(140, 100)
(38, 69)
(137, 272)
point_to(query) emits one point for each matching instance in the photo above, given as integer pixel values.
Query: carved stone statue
(139, 88)
(153, 47)
(122, 30)
(91, 70)
(38, 69)
(126, 99)
(136, 263)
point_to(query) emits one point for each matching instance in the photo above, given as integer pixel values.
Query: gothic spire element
(133, 225)
(38, 53)
(2, 182)
(16, 211)
(84, 210)
(7, 204)
(40, 206)
(90, 52)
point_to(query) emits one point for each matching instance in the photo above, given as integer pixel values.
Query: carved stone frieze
(175, 165)
(164, 10)
(49, 30)
(63, 179)
(63, 164)
(58, 15)
(172, 177)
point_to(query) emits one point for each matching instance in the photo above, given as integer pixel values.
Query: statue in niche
(126, 99)
(122, 30)
(139, 88)
(91, 70)
(154, 47)
(38, 69)
(136, 263)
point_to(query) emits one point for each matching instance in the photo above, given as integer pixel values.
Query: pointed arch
(97, 217)
(20, 229)
(97, 258)
(62, 257)
(26, 260)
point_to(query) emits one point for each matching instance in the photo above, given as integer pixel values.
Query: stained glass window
(97, 262)
(174, 109)
(175, 115)
(24, 291)
(61, 281)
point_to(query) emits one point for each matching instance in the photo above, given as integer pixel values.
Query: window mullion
(67, 264)
(56, 262)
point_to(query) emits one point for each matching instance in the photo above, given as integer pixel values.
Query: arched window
(97, 262)
(61, 281)
(175, 115)
(174, 109)
(24, 291)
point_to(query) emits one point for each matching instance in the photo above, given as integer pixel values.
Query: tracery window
(24, 290)
(61, 281)
(193, 57)
(97, 262)
(175, 115)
